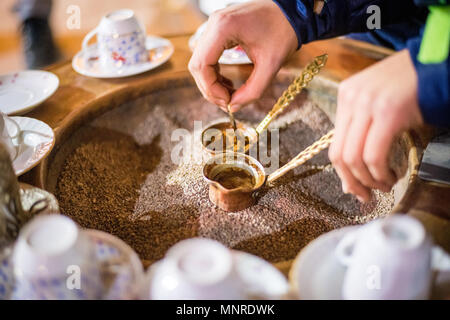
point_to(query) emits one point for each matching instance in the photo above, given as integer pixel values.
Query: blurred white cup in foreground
(388, 258)
(53, 259)
(196, 269)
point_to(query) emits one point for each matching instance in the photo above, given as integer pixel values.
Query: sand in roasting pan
(119, 178)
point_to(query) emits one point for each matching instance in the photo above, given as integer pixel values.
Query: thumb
(253, 88)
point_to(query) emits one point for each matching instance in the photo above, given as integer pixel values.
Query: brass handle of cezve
(293, 90)
(321, 144)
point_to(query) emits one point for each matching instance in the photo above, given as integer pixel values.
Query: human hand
(265, 34)
(374, 106)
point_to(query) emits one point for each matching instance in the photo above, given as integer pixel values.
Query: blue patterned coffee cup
(120, 40)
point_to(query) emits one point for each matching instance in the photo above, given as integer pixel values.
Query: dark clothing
(402, 23)
(38, 45)
(33, 9)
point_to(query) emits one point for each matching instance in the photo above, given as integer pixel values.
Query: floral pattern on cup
(120, 39)
(6, 275)
(123, 50)
(56, 288)
(120, 270)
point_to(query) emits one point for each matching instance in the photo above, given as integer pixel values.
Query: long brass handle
(321, 144)
(293, 90)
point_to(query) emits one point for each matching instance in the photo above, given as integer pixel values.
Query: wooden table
(426, 201)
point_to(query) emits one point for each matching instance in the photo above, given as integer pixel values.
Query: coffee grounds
(119, 178)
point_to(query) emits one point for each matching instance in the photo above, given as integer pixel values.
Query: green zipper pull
(436, 37)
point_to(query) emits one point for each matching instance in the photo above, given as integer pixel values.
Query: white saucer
(110, 251)
(260, 279)
(316, 273)
(230, 56)
(87, 63)
(22, 91)
(36, 145)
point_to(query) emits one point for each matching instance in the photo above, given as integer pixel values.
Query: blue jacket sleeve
(433, 87)
(339, 17)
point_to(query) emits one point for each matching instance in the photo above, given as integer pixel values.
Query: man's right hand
(265, 34)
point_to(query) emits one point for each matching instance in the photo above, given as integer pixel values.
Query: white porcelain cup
(194, 269)
(121, 40)
(54, 259)
(388, 258)
(7, 136)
